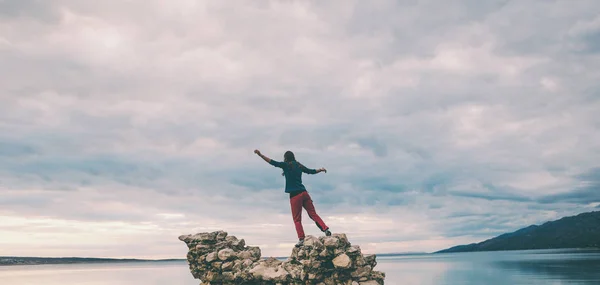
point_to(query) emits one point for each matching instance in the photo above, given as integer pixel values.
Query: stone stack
(333, 260)
(216, 258)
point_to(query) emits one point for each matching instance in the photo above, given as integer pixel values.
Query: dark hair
(288, 157)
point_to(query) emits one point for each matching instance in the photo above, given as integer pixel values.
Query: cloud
(136, 122)
(588, 190)
(15, 149)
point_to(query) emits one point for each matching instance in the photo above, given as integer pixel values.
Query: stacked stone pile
(216, 258)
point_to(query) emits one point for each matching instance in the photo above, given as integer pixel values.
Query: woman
(292, 170)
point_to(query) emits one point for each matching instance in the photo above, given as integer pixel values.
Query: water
(513, 267)
(508, 267)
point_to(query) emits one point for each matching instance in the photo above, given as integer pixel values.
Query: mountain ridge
(579, 231)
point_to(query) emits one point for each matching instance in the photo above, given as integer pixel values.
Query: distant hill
(14, 260)
(581, 231)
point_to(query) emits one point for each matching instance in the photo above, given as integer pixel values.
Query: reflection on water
(511, 267)
(508, 267)
(160, 273)
(575, 268)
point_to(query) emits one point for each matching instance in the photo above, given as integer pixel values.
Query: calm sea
(516, 267)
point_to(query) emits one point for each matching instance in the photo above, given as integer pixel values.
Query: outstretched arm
(268, 160)
(312, 171)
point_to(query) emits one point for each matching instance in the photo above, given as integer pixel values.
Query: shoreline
(16, 261)
(23, 261)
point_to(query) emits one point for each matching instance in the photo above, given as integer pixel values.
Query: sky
(124, 124)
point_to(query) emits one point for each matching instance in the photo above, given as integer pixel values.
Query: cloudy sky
(124, 124)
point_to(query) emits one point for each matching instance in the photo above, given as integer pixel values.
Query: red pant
(304, 200)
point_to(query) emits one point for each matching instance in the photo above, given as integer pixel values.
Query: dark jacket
(293, 174)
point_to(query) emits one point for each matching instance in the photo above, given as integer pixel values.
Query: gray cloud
(588, 190)
(437, 126)
(30, 10)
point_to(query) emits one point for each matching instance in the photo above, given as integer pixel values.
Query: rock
(342, 238)
(237, 265)
(211, 257)
(342, 261)
(204, 237)
(378, 275)
(226, 254)
(227, 266)
(301, 253)
(217, 258)
(221, 235)
(227, 276)
(247, 263)
(353, 250)
(314, 242)
(323, 253)
(331, 242)
(314, 253)
(202, 247)
(246, 254)
(269, 271)
(254, 253)
(370, 260)
(361, 272)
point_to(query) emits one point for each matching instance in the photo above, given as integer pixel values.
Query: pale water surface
(516, 267)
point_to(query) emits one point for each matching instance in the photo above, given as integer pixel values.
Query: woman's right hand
(257, 151)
